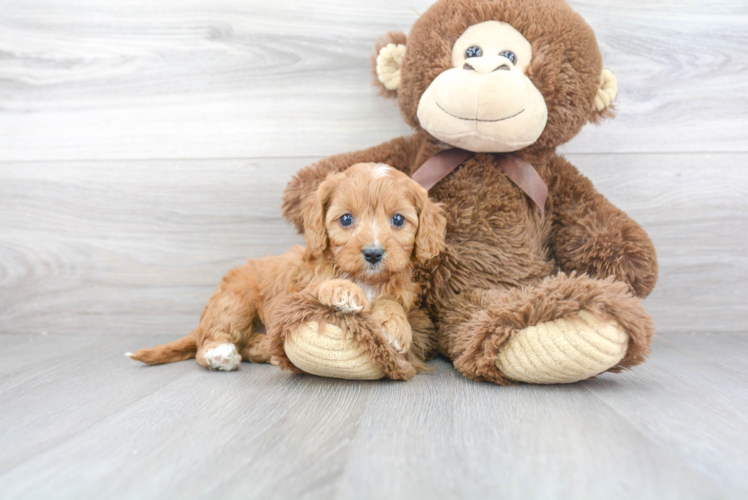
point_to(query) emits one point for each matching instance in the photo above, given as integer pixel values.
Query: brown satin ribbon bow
(518, 170)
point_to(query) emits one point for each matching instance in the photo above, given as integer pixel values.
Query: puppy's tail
(179, 350)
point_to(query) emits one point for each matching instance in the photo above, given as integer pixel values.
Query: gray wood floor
(79, 420)
(144, 147)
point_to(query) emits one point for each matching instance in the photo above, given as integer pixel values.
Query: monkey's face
(485, 102)
(498, 76)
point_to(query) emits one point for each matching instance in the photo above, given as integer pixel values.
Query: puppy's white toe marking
(396, 343)
(128, 354)
(348, 305)
(223, 357)
(349, 309)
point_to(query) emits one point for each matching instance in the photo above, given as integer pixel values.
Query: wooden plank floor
(79, 420)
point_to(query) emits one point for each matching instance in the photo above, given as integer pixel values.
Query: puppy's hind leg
(223, 357)
(227, 324)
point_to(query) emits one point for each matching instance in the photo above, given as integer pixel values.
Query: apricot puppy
(365, 228)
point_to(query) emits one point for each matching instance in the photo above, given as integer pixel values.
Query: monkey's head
(497, 75)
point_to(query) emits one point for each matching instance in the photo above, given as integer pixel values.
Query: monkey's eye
(509, 55)
(474, 51)
(398, 220)
(346, 220)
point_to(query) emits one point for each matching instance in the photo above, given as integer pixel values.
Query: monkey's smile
(477, 119)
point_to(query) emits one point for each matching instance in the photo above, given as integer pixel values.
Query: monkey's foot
(330, 353)
(563, 351)
(307, 336)
(562, 330)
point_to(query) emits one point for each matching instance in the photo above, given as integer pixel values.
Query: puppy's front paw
(343, 295)
(222, 357)
(393, 325)
(399, 338)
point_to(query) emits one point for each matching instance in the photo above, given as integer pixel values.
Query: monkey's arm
(398, 153)
(592, 236)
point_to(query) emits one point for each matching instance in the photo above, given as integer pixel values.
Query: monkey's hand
(593, 237)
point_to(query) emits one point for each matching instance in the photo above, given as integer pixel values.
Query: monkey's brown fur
(506, 266)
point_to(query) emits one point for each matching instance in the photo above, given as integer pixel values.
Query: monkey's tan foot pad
(563, 351)
(330, 353)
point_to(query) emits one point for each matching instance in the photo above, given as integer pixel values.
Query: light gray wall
(144, 146)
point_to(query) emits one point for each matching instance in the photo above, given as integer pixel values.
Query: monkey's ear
(386, 62)
(607, 91)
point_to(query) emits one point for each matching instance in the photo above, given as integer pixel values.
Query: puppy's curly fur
(365, 228)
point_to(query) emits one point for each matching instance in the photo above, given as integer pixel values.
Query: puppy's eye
(509, 55)
(346, 220)
(398, 220)
(474, 51)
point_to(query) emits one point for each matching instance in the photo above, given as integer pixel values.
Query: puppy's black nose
(373, 254)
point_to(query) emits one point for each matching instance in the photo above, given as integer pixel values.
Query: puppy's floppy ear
(432, 225)
(313, 212)
(386, 62)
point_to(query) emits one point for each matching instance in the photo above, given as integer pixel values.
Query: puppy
(365, 229)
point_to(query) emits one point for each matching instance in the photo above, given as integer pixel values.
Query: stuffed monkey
(542, 277)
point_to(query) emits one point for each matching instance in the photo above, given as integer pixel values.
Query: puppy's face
(375, 220)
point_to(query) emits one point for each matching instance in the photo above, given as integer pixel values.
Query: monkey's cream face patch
(485, 102)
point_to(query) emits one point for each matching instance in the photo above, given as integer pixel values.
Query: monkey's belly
(495, 235)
